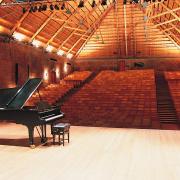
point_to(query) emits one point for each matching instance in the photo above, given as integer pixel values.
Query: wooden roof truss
(62, 30)
(165, 15)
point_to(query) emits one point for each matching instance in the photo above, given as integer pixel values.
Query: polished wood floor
(93, 154)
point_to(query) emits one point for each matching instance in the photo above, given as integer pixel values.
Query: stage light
(81, 4)
(104, 2)
(44, 7)
(63, 6)
(93, 4)
(18, 36)
(24, 10)
(51, 7)
(60, 52)
(69, 55)
(56, 7)
(136, 1)
(49, 48)
(39, 8)
(68, 11)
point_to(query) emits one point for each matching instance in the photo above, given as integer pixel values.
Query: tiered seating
(53, 92)
(77, 77)
(173, 79)
(115, 99)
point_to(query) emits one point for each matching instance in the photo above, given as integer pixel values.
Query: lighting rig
(33, 6)
(141, 1)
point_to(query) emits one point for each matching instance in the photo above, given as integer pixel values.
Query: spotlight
(34, 9)
(93, 4)
(31, 9)
(56, 7)
(63, 6)
(68, 11)
(24, 10)
(124, 2)
(44, 7)
(136, 1)
(51, 7)
(104, 2)
(81, 4)
(40, 9)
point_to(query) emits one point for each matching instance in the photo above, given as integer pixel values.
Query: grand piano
(13, 109)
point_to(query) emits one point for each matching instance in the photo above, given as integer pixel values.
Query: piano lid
(24, 93)
(6, 95)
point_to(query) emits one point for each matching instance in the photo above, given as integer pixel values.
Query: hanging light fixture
(51, 7)
(63, 6)
(104, 2)
(56, 7)
(81, 4)
(93, 4)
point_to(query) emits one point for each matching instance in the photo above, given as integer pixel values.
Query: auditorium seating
(115, 99)
(77, 77)
(173, 79)
(54, 92)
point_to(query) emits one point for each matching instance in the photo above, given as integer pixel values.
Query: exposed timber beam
(97, 24)
(19, 22)
(76, 10)
(42, 26)
(171, 12)
(87, 31)
(161, 14)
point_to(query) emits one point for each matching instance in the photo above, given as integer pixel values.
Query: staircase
(76, 88)
(165, 106)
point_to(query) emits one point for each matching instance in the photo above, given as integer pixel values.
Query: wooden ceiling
(104, 30)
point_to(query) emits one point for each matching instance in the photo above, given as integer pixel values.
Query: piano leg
(31, 136)
(43, 137)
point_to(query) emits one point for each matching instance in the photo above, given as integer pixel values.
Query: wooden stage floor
(93, 154)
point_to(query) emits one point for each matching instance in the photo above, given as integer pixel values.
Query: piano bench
(60, 129)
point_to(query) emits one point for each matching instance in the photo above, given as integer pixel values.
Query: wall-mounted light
(57, 73)
(49, 48)
(45, 76)
(60, 53)
(65, 68)
(18, 36)
(69, 55)
(36, 43)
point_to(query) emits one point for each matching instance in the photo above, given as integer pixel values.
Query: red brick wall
(37, 59)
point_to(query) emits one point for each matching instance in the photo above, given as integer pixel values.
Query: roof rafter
(18, 24)
(86, 32)
(97, 25)
(171, 12)
(76, 10)
(42, 26)
(93, 10)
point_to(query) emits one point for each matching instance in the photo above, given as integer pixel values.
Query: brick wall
(38, 60)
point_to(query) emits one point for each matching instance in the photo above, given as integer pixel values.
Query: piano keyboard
(53, 117)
